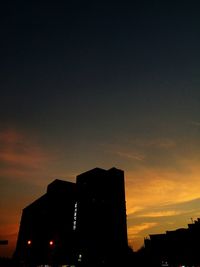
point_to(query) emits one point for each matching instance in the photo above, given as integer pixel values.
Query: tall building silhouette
(82, 223)
(101, 216)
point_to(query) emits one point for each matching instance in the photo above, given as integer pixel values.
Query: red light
(51, 243)
(29, 242)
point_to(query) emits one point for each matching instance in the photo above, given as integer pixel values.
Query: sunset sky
(94, 84)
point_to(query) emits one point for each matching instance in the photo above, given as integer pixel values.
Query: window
(75, 215)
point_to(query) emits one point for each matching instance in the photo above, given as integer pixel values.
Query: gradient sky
(87, 85)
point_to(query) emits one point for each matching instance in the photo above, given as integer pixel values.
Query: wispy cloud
(32, 158)
(18, 149)
(148, 185)
(195, 123)
(135, 148)
(10, 136)
(154, 142)
(157, 214)
(129, 155)
(136, 229)
(21, 155)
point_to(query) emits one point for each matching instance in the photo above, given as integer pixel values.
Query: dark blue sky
(101, 84)
(65, 58)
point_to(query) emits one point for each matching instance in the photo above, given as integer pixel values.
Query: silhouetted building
(175, 248)
(82, 223)
(46, 234)
(101, 217)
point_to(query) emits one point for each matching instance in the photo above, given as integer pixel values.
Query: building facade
(101, 217)
(80, 224)
(46, 235)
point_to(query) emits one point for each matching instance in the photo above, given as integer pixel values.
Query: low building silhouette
(46, 235)
(81, 224)
(175, 248)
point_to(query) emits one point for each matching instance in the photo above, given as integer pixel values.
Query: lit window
(29, 242)
(75, 216)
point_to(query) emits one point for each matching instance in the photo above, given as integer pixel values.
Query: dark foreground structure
(46, 234)
(76, 224)
(175, 248)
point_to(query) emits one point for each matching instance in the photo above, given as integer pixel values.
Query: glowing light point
(80, 257)
(51, 243)
(29, 242)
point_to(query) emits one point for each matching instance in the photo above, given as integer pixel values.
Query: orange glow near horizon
(158, 197)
